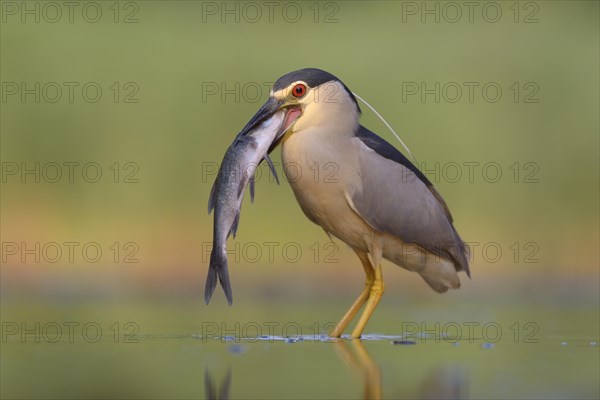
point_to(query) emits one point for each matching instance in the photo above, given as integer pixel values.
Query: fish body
(242, 158)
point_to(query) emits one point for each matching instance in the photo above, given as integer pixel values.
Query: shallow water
(553, 354)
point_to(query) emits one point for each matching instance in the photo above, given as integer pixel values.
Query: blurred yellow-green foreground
(114, 120)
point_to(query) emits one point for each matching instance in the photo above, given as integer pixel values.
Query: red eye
(299, 90)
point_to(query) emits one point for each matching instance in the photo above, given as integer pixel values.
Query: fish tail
(217, 269)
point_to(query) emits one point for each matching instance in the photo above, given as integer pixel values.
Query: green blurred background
(180, 79)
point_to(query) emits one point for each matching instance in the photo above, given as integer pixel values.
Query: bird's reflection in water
(445, 382)
(359, 359)
(442, 382)
(210, 387)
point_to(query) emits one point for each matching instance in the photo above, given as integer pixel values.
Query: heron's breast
(321, 171)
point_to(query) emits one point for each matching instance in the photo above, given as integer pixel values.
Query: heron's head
(313, 100)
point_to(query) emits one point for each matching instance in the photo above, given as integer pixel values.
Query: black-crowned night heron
(377, 201)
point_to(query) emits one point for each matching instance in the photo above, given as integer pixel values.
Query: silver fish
(242, 158)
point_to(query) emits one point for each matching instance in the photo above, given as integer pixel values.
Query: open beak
(266, 111)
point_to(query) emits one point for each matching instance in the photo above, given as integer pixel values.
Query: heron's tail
(440, 275)
(217, 268)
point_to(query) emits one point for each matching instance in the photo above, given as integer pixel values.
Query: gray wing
(398, 199)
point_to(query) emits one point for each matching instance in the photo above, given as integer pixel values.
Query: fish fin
(218, 269)
(272, 167)
(234, 227)
(211, 198)
(211, 281)
(252, 189)
(226, 284)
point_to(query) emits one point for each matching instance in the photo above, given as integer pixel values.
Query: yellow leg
(360, 300)
(375, 294)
